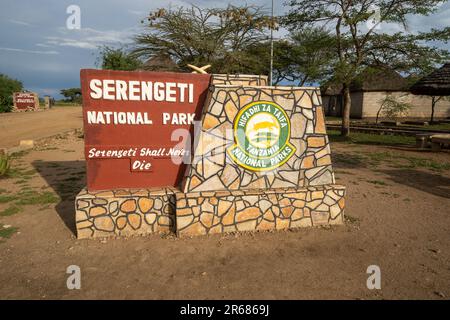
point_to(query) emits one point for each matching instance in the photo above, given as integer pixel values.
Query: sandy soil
(397, 218)
(37, 125)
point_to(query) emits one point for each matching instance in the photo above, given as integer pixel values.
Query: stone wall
(212, 169)
(240, 79)
(229, 211)
(124, 212)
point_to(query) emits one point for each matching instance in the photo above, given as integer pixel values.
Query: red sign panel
(25, 100)
(130, 126)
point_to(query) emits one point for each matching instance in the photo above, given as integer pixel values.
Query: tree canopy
(117, 59)
(203, 36)
(7, 87)
(360, 41)
(72, 94)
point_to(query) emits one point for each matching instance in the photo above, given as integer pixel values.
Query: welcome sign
(131, 121)
(25, 101)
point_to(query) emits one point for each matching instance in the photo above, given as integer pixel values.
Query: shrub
(5, 162)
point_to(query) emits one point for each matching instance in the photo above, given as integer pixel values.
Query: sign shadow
(66, 178)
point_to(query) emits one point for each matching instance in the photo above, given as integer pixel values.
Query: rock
(319, 217)
(297, 214)
(223, 207)
(193, 230)
(121, 222)
(335, 210)
(325, 160)
(104, 223)
(206, 219)
(291, 176)
(134, 220)
(305, 101)
(97, 211)
(229, 174)
(213, 183)
(80, 225)
(150, 218)
(184, 221)
(230, 110)
(128, 206)
(80, 216)
(81, 204)
(265, 225)
(99, 201)
(320, 120)
(316, 142)
(228, 217)
(264, 205)
(210, 122)
(113, 207)
(248, 214)
(282, 224)
(216, 109)
(298, 127)
(287, 211)
(145, 204)
(246, 226)
(158, 204)
(304, 222)
(210, 168)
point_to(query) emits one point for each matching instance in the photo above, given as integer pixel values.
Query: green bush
(5, 162)
(7, 87)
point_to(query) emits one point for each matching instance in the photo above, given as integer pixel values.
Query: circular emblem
(261, 134)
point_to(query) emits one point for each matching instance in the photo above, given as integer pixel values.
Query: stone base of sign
(139, 212)
(200, 213)
(124, 212)
(27, 109)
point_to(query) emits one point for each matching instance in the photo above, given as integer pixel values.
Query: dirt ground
(37, 125)
(398, 217)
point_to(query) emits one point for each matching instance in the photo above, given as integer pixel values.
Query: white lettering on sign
(110, 117)
(141, 90)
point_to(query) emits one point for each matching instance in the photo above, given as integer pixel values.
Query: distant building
(368, 94)
(160, 62)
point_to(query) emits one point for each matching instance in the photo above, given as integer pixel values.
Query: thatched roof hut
(160, 62)
(436, 83)
(379, 78)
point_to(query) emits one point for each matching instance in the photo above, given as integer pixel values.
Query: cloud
(138, 12)
(89, 38)
(29, 51)
(21, 23)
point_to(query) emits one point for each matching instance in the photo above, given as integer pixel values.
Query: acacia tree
(117, 59)
(7, 87)
(72, 94)
(202, 36)
(361, 42)
(303, 57)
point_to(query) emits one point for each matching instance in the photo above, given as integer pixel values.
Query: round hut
(436, 85)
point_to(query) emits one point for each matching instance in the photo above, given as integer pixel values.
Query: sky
(37, 48)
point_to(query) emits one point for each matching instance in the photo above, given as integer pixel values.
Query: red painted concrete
(25, 100)
(111, 172)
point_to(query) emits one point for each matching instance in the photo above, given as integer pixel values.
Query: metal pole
(271, 50)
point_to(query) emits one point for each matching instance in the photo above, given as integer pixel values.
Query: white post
(271, 50)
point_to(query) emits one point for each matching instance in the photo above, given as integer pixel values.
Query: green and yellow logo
(261, 133)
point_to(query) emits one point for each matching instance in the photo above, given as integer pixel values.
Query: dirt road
(36, 125)
(397, 218)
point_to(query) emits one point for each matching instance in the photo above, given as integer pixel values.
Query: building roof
(160, 62)
(436, 83)
(378, 78)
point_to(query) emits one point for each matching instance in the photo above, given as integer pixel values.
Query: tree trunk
(433, 103)
(345, 129)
